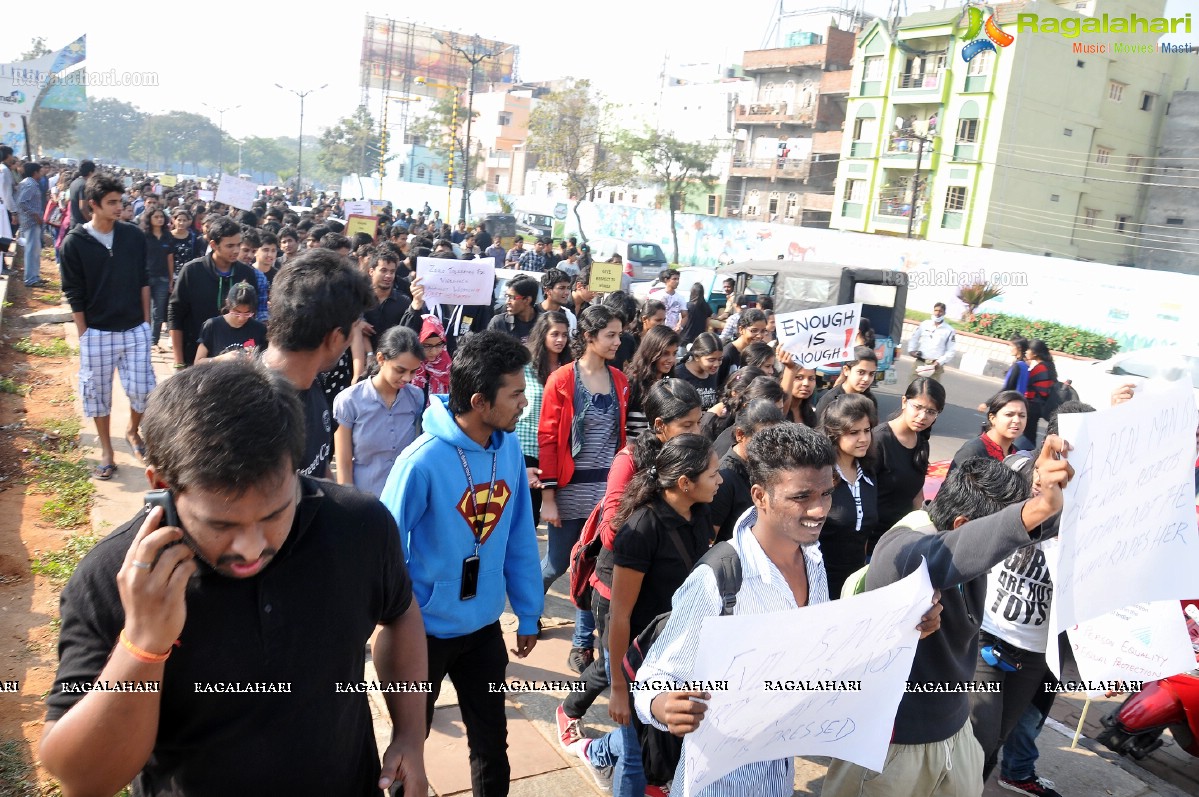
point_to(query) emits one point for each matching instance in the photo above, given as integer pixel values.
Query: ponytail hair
(704, 344)
(686, 455)
(1040, 350)
(667, 400)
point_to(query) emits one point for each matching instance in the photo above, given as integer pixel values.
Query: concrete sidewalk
(540, 767)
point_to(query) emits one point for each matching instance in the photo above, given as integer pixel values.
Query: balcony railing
(905, 143)
(897, 207)
(777, 112)
(926, 80)
(786, 168)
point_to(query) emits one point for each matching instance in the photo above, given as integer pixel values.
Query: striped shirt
(590, 480)
(672, 658)
(526, 427)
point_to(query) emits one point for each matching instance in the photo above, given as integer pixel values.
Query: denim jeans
(1020, 752)
(160, 294)
(31, 241)
(622, 750)
(556, 562)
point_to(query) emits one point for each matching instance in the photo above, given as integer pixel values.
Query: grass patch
(55, 348)
(17, 775)
(14, 387)
(70, 485)
(59, 565)
(64, 427)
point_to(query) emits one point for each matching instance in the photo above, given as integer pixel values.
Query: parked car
(1095, 381)
(643, 260)
(538, 225)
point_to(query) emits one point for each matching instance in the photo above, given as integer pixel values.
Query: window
(773, 206)
(1067, 132)
(792, 204)
(980, 64)
(1133, 163)
(872, 68)
(1080, 6)
(1115, 91)
(713, 204)
(1147, 101)
(768, 92)
(505, 119)
(420, 172)
(633, 199)
(855, 190)
(751, 204)
(1174, 222)
(1121, 223)
(955, 198)
(967, 131)
(1092, 215)
(1055, 197)
(859, 127)
(1102, 155)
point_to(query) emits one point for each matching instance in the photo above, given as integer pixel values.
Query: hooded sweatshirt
(428, 495)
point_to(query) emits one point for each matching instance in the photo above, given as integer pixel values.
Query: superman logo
(491, 511)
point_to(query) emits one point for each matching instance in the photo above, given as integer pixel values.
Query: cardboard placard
(356, 224)
(236, 192)
(451, 282)
(605, 277)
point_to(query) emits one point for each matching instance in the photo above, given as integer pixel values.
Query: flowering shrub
(1069, 340)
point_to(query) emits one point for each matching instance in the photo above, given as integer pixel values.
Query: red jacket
(557, 413)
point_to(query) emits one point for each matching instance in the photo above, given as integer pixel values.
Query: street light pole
(220, 165)
(300, 143)
(474, 55)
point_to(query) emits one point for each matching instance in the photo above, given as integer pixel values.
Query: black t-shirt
(730, 363)
(75, 199)
(218, 337)
(732, 497)
(643, 544)
(841, 544)
(157, 251)
(318, 440)
(899, 480)
(513, 326)
(835, 393)
(708, 392)
(628, 347)
(698, 314)
(387, 314)
(185, 250)
(278, 627)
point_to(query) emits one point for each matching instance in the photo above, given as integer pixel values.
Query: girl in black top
(732, 497)
(654, 359)
(751, 327)
(853, 516)
(236, 330)
(160, 257)
(186, 243)
(800, 408)
(900, 450)
(698, 313)
(1007, 415)
(720, 416)
(700, 368)
(760, 388)
(665, 528)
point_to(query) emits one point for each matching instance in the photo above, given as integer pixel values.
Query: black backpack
(1059, 394)
(661, 750)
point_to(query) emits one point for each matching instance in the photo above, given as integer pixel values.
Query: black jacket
(106, 286)
(199, 295)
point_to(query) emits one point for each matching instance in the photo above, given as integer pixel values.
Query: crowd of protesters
(305, 358)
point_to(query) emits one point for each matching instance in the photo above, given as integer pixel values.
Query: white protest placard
(1128, 531)
(820, 680)
(205, 196)
(457, 281)
(1142, 642)
(358, 207)
(821, 336)
(236, 192)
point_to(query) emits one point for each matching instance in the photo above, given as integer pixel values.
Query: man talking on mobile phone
(222, 656)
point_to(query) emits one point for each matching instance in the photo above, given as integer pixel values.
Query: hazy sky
(231, 54)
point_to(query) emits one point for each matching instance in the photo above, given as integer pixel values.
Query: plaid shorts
(129, 353)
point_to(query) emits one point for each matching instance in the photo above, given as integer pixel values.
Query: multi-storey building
(1041, 144)
(788, 130)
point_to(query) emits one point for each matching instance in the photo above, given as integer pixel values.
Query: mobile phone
(470, 578)
(163, 499)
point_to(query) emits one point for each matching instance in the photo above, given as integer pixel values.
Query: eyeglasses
(920, 409)
(238, 314)
(433, 346)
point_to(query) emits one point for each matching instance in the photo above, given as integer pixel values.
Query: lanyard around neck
(474, 502)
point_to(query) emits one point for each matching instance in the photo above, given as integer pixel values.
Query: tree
(350, 146)
(676, 164)
(49, 128)
(106, 129)
(176, 137)
(266, 155)
(571, 132)
(443, 127)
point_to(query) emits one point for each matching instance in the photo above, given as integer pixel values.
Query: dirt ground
(28, 602)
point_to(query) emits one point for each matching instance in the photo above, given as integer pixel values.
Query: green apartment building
(1042, 146)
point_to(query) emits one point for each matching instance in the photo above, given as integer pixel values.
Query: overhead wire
(1032, 218)
(1082, 218)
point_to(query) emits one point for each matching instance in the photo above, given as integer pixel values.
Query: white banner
(1128, 531)
(453, 282)
(236, 192)
(819, 680)
(822, 336)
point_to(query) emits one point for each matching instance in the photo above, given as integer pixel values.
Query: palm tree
(975, 294)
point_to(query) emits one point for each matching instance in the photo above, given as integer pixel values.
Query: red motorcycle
(1172, 703)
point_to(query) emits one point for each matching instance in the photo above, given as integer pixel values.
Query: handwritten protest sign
(821, 336)
(1128, 530)
(168, 180)
(236, 192)
(779, 666)
(1142, 642)
(205, 196)
(357, 224)
(605, 277)
(377, 206)
(457, 281)
(358, 207)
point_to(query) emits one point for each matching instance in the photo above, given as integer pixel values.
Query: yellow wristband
(144, 656)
